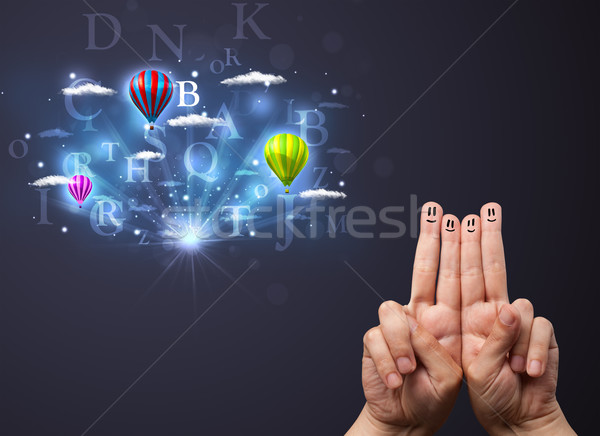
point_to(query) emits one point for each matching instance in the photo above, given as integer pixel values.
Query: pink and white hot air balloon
(80, 187)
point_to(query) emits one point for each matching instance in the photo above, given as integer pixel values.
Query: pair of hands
(414, 359)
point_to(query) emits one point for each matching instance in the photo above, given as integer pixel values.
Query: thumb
(503, 336)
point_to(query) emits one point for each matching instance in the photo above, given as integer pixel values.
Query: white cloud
(332, 105)
(194, 120)
(337, 150)
(254, 78)
(50, 181)
(322, 194)
(88, 89)
(245, 173)
(54, 133)
(142, 208)
(147, 155)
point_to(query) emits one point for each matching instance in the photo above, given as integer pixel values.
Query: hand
(411, 365)
(509, 357)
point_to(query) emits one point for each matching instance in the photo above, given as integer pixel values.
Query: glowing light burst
(176, 219)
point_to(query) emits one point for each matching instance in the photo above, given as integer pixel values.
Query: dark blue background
(515, 121)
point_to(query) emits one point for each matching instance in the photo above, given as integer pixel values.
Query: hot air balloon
(286, 154)
(150, 91)
(80, 187)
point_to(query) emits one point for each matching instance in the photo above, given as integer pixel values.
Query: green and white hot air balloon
(286, 154)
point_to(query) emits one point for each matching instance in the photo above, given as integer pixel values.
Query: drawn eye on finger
(450, 225)
(431, 212)
(491, 212)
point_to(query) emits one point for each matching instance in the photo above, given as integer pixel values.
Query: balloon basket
(79, 207)
(151, 127)
(287, 191)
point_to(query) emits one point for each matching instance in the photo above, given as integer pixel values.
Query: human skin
(411, 369)
(509, 357)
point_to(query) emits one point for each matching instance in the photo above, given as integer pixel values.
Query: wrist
(554, 423)
(368, 425)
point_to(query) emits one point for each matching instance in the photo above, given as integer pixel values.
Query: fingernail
(507, 317)
(404, 365)
(535, 367)
(517, 363)
(393, 380)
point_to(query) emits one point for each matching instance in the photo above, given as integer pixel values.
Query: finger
(492, 253)
(448, 289)
(396, 332)
(435, 358)
(540, 342)
(518, 354)
(493, 353)
(471, 272)
(377, 349)
(427, 255)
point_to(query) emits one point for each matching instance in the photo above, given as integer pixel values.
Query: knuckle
(475, 375)
(424, 266)
(524, 305)
(471, 271)
(538, 350)
(495, 267)
(387, 307)
(544, 323)
(385, 363)
(371, 335)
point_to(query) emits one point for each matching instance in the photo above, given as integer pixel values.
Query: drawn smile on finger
(429, 213)
(491, 213)
(470, 223)
(450, 226)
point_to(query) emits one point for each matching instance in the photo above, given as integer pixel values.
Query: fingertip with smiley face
(491, 215)
(431, 215)
(450, 227)
(471, 227)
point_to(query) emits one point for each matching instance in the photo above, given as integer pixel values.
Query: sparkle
(252, 233)
(194, 73)
(267, 83)
(27, 136)
(40, 164)
(146, 126)
(63, 145)
(186, 197)
(72, 76)
(218, 188)
(137, 231)
(363, 115)
(64, 229)
(259, 101)
(255, 162)
(342, 183)
(334, 91)
(204, 113)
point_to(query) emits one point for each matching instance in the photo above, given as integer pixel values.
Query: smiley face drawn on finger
(431, 211)
(471, 223)
(450, 225)
(491, 215)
